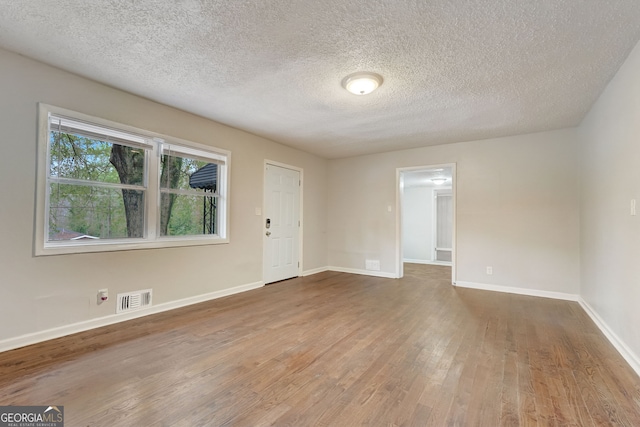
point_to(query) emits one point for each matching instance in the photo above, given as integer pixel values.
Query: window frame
(151, 236)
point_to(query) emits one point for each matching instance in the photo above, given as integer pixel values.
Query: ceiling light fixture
(438, 181)
(362, 83)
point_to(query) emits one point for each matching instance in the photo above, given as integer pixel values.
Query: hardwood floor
(335, 349)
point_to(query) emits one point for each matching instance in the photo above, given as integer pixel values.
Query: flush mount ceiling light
(438, 181)
(362, 83)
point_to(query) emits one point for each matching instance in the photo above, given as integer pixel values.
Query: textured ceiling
(453, 70)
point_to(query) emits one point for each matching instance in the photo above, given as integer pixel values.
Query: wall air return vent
(132, 301)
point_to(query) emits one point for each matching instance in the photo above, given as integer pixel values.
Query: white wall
(610, 248)
(39, 293)
(417, 222)
(517, 209)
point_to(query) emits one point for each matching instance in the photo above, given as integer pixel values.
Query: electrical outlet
(372, 264)
(103, 295)
(489, 270)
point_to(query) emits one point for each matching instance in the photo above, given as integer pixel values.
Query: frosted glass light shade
(438, 181)
(362, 83)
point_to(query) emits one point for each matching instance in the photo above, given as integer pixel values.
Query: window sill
(120, 245)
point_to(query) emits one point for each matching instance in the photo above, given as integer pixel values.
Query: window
(103, 186)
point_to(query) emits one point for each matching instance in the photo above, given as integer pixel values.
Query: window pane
(183, 215)
(105, 186)
(183, 173)
(79, 212)
(78, 157)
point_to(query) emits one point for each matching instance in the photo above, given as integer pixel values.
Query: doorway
(282, 224)
(426, 216)
(442, 226)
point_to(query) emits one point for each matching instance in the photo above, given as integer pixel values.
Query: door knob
(268, 233)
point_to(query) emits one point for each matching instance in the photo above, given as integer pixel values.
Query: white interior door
(281, 227)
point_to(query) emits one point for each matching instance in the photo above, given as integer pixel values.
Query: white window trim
(151, 239)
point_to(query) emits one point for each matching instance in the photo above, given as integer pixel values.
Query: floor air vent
(131, 301)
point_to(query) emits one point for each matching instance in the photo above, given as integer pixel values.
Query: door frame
(300, 211)
(399, 203)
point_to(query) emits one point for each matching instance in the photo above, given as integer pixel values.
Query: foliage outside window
(105, 186)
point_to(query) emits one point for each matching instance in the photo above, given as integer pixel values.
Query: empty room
(335, 213)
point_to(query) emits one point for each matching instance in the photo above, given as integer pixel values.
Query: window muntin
(110, 187)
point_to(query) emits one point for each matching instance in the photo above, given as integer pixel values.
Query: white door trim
(301, 211)
(399, 195)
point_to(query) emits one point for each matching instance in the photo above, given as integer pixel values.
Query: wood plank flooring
(335, 349)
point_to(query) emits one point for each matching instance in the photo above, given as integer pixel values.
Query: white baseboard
(364, 272)
(632, 359)
(427, 262)
(314, 271)
(416, 261)
(519, 291)
(49, 334)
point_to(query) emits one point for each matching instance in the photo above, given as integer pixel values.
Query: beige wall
(39, 293)
(611, 178)
(517, 209)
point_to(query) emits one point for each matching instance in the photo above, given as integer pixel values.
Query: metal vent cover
(131, 301)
